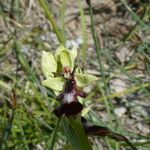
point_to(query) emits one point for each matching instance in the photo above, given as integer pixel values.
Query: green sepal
(84, 79)
(48, 64)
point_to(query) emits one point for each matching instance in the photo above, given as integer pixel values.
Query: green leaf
(84, 79)
(48, 64)
(75, 133)
(77, 126)
(54, 83)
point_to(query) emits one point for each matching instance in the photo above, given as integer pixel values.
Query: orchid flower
(66, 80)
(63, 78)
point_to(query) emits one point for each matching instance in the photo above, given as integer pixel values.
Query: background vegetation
(119, 55)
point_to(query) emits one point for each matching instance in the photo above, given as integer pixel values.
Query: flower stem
(52, 140)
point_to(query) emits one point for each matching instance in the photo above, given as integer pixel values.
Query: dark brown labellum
(69, 109)
(73, 108)
(60, 110)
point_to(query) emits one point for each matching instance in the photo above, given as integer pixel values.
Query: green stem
(98, 51)
(134, 15)
(52, 140)
(63, 10)
(84, 33)
(49, 15)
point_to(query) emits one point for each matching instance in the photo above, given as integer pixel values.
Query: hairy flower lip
(69, 109)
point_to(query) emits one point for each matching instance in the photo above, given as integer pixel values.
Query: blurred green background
(120, 100)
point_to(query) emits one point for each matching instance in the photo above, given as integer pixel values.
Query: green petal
(84, 79)
(58, 52)
(78, 70)
(73, 53)
(57, 57)
(48, 64)
(66, 59)
(56, 84)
